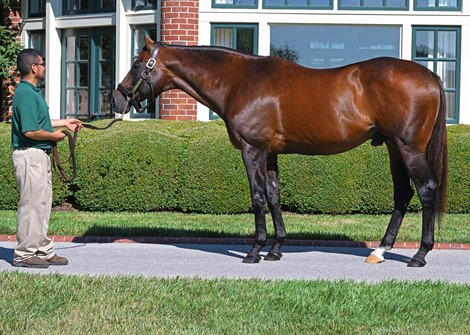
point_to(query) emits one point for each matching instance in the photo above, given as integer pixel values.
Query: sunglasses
(43, 63)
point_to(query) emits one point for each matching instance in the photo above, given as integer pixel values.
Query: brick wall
(179, 26)
(9, 18)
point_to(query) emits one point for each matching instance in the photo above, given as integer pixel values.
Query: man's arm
(42, 135)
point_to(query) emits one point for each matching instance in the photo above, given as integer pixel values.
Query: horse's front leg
(255, 163)
(274, 203)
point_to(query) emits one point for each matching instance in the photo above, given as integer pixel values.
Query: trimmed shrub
(129, 167)
(192, 167)
(214, 178)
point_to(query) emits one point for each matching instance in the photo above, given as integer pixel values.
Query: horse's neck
(200, 75)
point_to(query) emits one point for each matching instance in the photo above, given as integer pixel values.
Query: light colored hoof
(373, 259)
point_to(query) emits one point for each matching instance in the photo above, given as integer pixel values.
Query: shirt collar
(37, 89)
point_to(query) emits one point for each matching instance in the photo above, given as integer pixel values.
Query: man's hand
(71, 124)
(58, 135)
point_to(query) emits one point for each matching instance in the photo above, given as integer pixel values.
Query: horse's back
(333, 110)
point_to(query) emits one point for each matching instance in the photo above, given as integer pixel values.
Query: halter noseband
(144, 76)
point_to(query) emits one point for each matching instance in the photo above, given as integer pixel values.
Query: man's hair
(26, 58)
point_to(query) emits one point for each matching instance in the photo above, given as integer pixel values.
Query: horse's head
(145, 80)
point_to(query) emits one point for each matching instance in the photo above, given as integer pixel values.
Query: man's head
(31, 62)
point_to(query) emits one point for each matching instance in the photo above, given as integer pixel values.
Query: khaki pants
(34, 181)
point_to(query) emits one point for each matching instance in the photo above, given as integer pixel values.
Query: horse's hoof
(273, 256)
(416, 263)
(252, 259)
(373, 259)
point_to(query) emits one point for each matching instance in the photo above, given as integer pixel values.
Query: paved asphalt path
(225, 261)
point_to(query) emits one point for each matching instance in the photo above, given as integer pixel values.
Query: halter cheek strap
(144, 76)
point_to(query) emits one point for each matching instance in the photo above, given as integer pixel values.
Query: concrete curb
(238, 241)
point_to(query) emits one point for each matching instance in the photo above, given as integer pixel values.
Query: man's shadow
(6, 254)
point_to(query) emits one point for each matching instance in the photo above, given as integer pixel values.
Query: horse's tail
(436, 154)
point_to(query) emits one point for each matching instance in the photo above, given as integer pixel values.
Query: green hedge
(191, 166)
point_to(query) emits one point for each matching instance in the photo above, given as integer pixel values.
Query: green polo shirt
(30, 113)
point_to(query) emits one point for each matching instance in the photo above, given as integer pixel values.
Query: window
(138, 34)
(438, 5)
(88, 6)
(37, 8)
(235, 3)
(241, 37)
(317, 4)
(37, 40)
(438, 49)
(144, 4)
(327, 46)
(374, 4)
(88, 68)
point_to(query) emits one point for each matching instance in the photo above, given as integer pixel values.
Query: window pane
(376, 4)
(446, 42)
(71, 54)
(447, 72)
(83, 68)
(322, 3)
(105, 102)
(83, 47)
(106, 74)
(451, 104)
(84, 5)
(223, 37)
(235, 2)
(396, 3)
(71, 75)
(106, 47)
(373, 3)
(447, 3)
(298, 2)
(107, 4)
(275, 2)
(71, 101)
(332, 46)
(440, 4)
(83, 102)
(350, 3)
(425, 44)
(245, 40)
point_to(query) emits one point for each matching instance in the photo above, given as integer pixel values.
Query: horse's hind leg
(403, 192)
(255, 163)
(419, 171)
(273, 198)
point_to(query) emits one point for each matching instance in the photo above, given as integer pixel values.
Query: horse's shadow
(240, 250)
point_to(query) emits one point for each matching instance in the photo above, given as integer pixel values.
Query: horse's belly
(312, 145)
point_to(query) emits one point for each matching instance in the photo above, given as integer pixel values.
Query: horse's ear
(148, 41)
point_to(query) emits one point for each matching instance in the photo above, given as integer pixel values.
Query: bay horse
(272, 106)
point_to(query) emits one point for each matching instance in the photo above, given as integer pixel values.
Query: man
(32, 138)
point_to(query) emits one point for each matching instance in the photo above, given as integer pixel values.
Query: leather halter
(144, 77)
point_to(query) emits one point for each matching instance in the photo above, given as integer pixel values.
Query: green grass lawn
(455, 228)
(56, 304)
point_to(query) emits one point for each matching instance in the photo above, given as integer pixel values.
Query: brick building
(90, 45)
